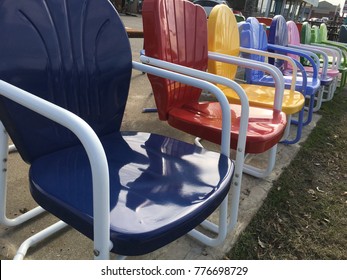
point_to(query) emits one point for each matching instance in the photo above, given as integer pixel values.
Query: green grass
(305, 213)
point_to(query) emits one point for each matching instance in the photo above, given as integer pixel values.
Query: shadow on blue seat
(64, 80)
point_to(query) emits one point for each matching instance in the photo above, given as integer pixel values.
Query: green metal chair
(320, 37)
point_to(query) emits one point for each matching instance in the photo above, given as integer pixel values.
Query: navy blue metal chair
(64, 79)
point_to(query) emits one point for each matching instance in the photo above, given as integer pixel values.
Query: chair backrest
(299, 26)
(323, 33)
(315, 38)
(293, 33)
(253, 35)
(267, 21)
(293, 38)
(223, 37)
(305, 34)
(76, 61)
(278, 35)
(343, 34)
(174, 31)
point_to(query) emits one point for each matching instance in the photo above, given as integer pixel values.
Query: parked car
(209, 4)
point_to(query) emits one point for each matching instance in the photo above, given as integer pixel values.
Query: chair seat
(311, 88)
(310, 82)
(312, 85)
(265, 128)
(330, 72)
(263, 96)
(149, 203)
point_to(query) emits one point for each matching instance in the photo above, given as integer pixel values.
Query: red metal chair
(176, 32)
(175, 36)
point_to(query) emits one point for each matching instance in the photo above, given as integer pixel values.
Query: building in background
(290, 9)
(344, 10)
(326, 10)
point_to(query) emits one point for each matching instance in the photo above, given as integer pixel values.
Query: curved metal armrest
(95, 152)
(305, 54)
(275, 55)
(268, 68)
(342, 52)
(334, 52)
(304, 75)
(318, 52)
(339, 44)
(192, 77)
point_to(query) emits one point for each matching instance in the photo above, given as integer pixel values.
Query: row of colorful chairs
(65, 73)
(186, 43)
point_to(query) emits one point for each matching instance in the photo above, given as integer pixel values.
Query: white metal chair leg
(319, 100)
(222, 229)
(38, 237)
(233, 209)
(287, 130)
(4, 149)
(262, 173)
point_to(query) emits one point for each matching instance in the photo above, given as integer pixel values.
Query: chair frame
(292, 78)
(328, 87)
(5, 149)
(342, 66)
(331, 87)
(97, 158)
(240, 151)
(251, 170)
(295, 65)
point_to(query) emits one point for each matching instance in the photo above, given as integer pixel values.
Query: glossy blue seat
(76, 55)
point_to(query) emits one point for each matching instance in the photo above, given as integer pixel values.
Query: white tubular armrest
(308, 53)
(279, 56)
(95, 152)
(330, 48)
(319, 52)
(198, 77)
(335, 53)
(268, 68)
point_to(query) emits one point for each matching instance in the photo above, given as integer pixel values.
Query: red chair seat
(265, 128)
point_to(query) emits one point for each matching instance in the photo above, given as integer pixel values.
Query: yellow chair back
(223, 40)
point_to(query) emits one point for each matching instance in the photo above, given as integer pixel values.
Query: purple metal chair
(279, 42)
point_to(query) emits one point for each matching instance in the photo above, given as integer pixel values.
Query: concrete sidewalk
(69, 244)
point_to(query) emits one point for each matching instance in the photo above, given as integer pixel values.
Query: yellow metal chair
(223, 38)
